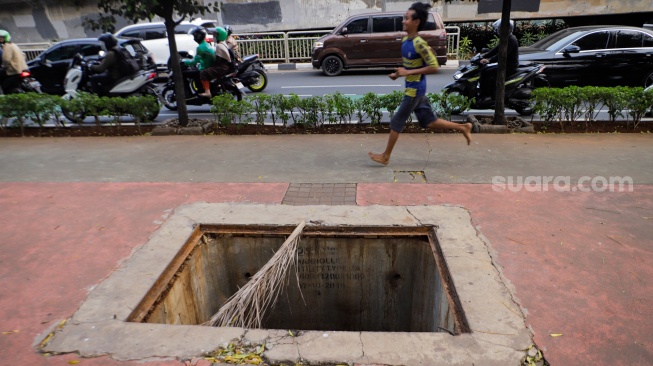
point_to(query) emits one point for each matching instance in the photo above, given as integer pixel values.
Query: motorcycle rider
(108, 72)
(223, 63)
(489, 73)
(13, 62)
(231, 42)
(204, 58)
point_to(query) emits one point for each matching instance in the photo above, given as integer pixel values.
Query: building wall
(48, 21)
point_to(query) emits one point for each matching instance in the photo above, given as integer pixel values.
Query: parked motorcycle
(24, 84)
(253, 76)
(78, 79)
(519, 86)
(230, 83)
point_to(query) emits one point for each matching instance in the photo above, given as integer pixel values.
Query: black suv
(51, 66)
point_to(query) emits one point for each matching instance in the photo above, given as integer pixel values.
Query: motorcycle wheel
(151, 91)
(455, 111)
(261, 82)
(529, 109)
(75, 117)
(169, 97)
(235, 93)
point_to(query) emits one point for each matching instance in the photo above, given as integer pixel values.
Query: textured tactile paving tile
(320, 194)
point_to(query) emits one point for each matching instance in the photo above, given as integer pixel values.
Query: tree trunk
(182, 111)
(504, 34)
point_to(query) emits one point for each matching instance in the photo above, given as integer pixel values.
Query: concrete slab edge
(499, 335)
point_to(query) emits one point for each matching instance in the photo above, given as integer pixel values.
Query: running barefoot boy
(419, 61)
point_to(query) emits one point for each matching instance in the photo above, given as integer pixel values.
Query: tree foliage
(137, 10)
(172, 12)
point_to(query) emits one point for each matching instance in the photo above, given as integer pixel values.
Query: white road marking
(336, 86)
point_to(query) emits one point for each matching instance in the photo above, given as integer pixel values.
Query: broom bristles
(246, 308)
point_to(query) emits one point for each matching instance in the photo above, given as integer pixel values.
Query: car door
(589, 65)
(353, 42)
(52, 66)
(384, 43)
(631, 58)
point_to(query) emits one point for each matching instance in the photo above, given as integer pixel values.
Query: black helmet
(199, 34)
(228, 29)
(109, 40)
(497, 24)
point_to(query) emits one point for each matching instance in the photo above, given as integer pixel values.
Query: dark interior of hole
(356, 283)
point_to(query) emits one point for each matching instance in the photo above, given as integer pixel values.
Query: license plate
(240, 85)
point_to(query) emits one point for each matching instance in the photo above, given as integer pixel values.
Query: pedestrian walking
(419, 61)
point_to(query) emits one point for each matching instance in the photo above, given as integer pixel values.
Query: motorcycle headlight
(458, 76)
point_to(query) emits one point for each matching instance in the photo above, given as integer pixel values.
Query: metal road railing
(280, 46)
(31, 50)
(273, 46)
(453, 41)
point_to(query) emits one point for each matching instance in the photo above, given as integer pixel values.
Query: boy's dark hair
(421, 12)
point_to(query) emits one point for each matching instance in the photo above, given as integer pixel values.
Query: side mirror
(570, 49)
(344, 31)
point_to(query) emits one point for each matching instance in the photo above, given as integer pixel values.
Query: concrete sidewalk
(578, 264)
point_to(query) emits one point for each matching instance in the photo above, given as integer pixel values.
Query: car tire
(260, 84)
(332, 65)
(648, 80)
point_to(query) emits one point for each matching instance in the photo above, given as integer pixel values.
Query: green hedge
(573, 104)
(553, 105)
(320, 110)
(17, 109)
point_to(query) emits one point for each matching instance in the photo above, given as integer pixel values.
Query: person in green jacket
(204, 58)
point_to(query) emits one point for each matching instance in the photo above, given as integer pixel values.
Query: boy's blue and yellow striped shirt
(416, 53)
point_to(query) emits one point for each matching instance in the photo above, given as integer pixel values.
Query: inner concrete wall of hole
(388, 284)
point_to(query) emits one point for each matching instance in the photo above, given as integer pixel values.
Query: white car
(155, 39)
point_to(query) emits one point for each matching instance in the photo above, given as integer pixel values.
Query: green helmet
(4, 33)
(222, 34)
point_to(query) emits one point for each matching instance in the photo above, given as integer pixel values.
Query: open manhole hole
(377, 287)
(381, 279)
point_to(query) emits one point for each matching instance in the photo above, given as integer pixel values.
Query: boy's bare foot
(467, 132)
(379, 158)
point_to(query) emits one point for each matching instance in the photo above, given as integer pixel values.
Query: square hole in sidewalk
(301, 194)
(384, 279)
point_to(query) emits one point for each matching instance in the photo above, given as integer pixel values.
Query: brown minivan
(373, 40)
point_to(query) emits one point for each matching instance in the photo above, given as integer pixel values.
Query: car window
(593, 41)
(209, 25)
(357, 26)
(629, 39)
(131, 33)
(430, 24)
(90, 49)
(66, 52)
(647, 40)
(155, 33)
(184, 28)
(130, 48)
(386, 24)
